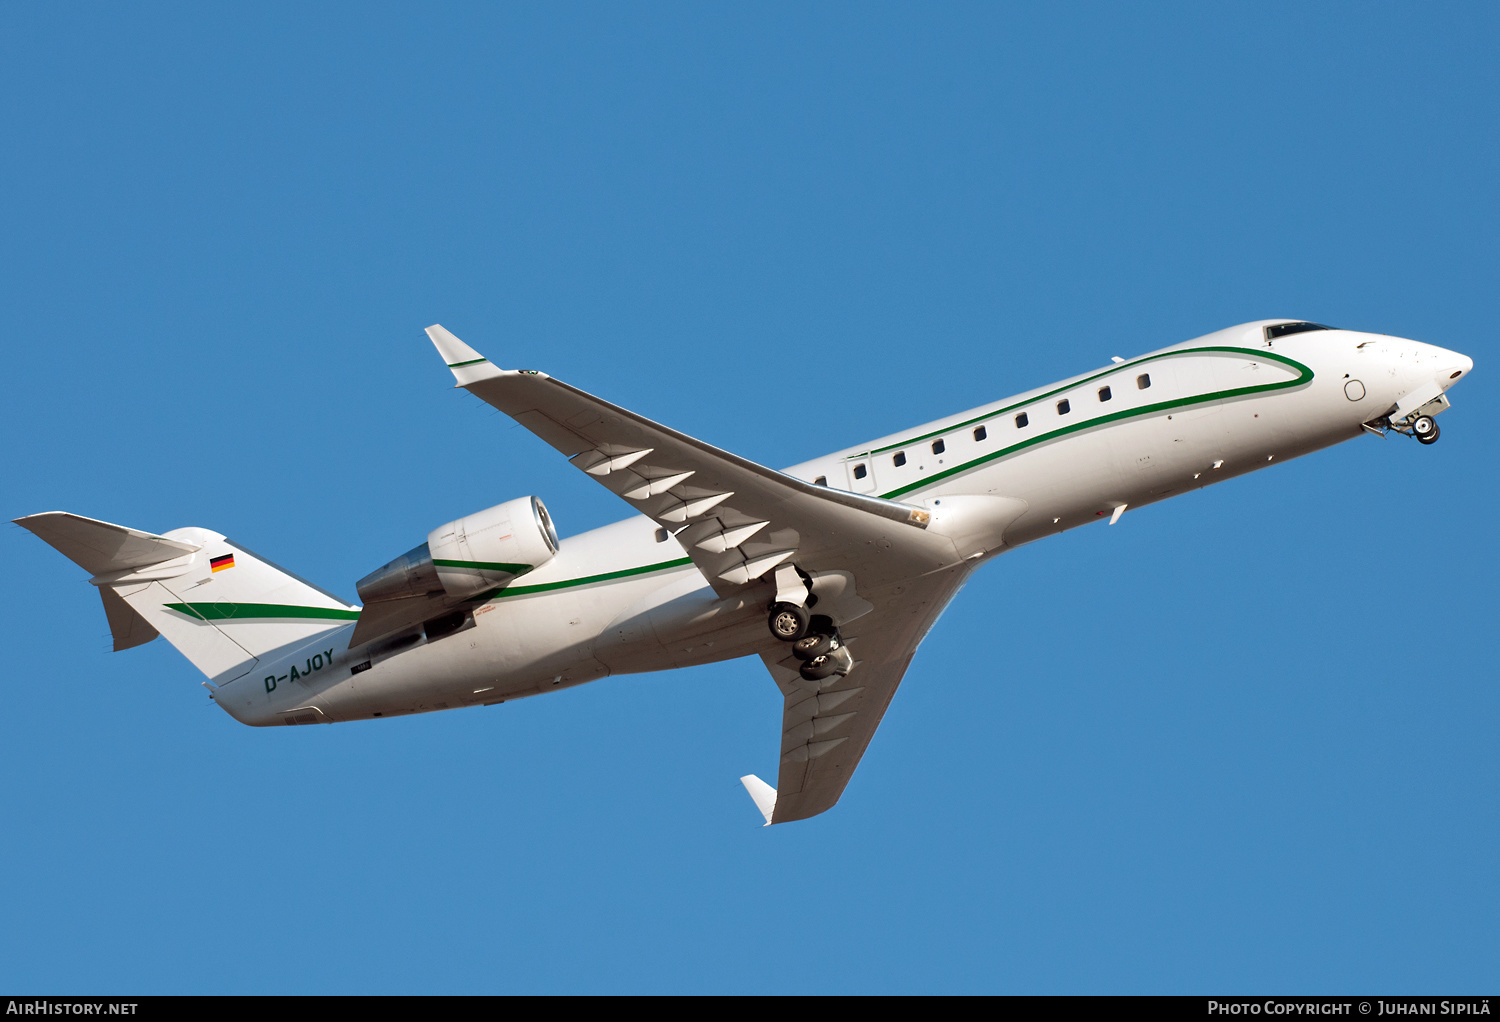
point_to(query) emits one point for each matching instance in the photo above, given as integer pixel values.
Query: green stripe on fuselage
(608, 576)
(1304, 376)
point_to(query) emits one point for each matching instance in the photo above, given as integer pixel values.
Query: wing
(825, 730)
(872, 563)
(737, 520)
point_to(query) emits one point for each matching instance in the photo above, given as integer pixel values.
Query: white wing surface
(737, 520)
(885, 577)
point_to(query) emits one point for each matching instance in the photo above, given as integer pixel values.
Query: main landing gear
(789, 622)
(814, 640)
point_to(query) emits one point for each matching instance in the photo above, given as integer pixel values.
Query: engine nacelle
(477, 553)
(489, 549)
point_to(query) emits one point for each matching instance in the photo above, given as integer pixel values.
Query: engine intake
(469, 556)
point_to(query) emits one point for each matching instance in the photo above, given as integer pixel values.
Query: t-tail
(220, 605)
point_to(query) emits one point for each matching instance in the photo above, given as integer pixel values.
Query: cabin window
(1021, 421)
(898, 459)
(980, 433)
(1143, 381)
(859, 471)
(821, 481)
(661, 535)
(938, 447)
(1063, 408)
(1104, 394)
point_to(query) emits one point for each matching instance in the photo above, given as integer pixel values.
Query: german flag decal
(220, 563)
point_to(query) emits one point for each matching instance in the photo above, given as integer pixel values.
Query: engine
(462, 559)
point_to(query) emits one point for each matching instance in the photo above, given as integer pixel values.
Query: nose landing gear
(1423, 427)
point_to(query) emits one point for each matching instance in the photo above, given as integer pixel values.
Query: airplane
(831, 571)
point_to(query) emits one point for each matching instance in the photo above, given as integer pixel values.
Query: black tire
(788, 622)
(1423, 425)
(812, 645)
(1431, 436)
(822, 667)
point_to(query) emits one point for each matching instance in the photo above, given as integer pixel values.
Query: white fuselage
(625, 598)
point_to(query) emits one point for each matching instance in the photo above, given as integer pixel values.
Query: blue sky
(1244, 740)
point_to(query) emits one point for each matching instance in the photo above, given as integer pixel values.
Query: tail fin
(222, 606)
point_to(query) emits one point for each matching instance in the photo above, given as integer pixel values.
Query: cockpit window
(1282, 329)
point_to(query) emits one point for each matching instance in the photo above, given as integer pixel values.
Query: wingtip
(762, 794)
(456, 354)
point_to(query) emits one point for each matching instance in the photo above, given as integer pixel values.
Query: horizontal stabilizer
(99, 547)
(762, 794)
(220, 605)
(104, 549)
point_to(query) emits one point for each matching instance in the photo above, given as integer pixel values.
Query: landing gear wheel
(1425, 429)
(788, 622)
(812, 645)
(823, 667)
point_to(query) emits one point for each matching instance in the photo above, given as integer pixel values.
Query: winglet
(763, 795)
(458, 356)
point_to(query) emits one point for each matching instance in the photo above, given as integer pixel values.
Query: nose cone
(1454, 368)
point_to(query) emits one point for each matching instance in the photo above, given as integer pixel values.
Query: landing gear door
(861, 474)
